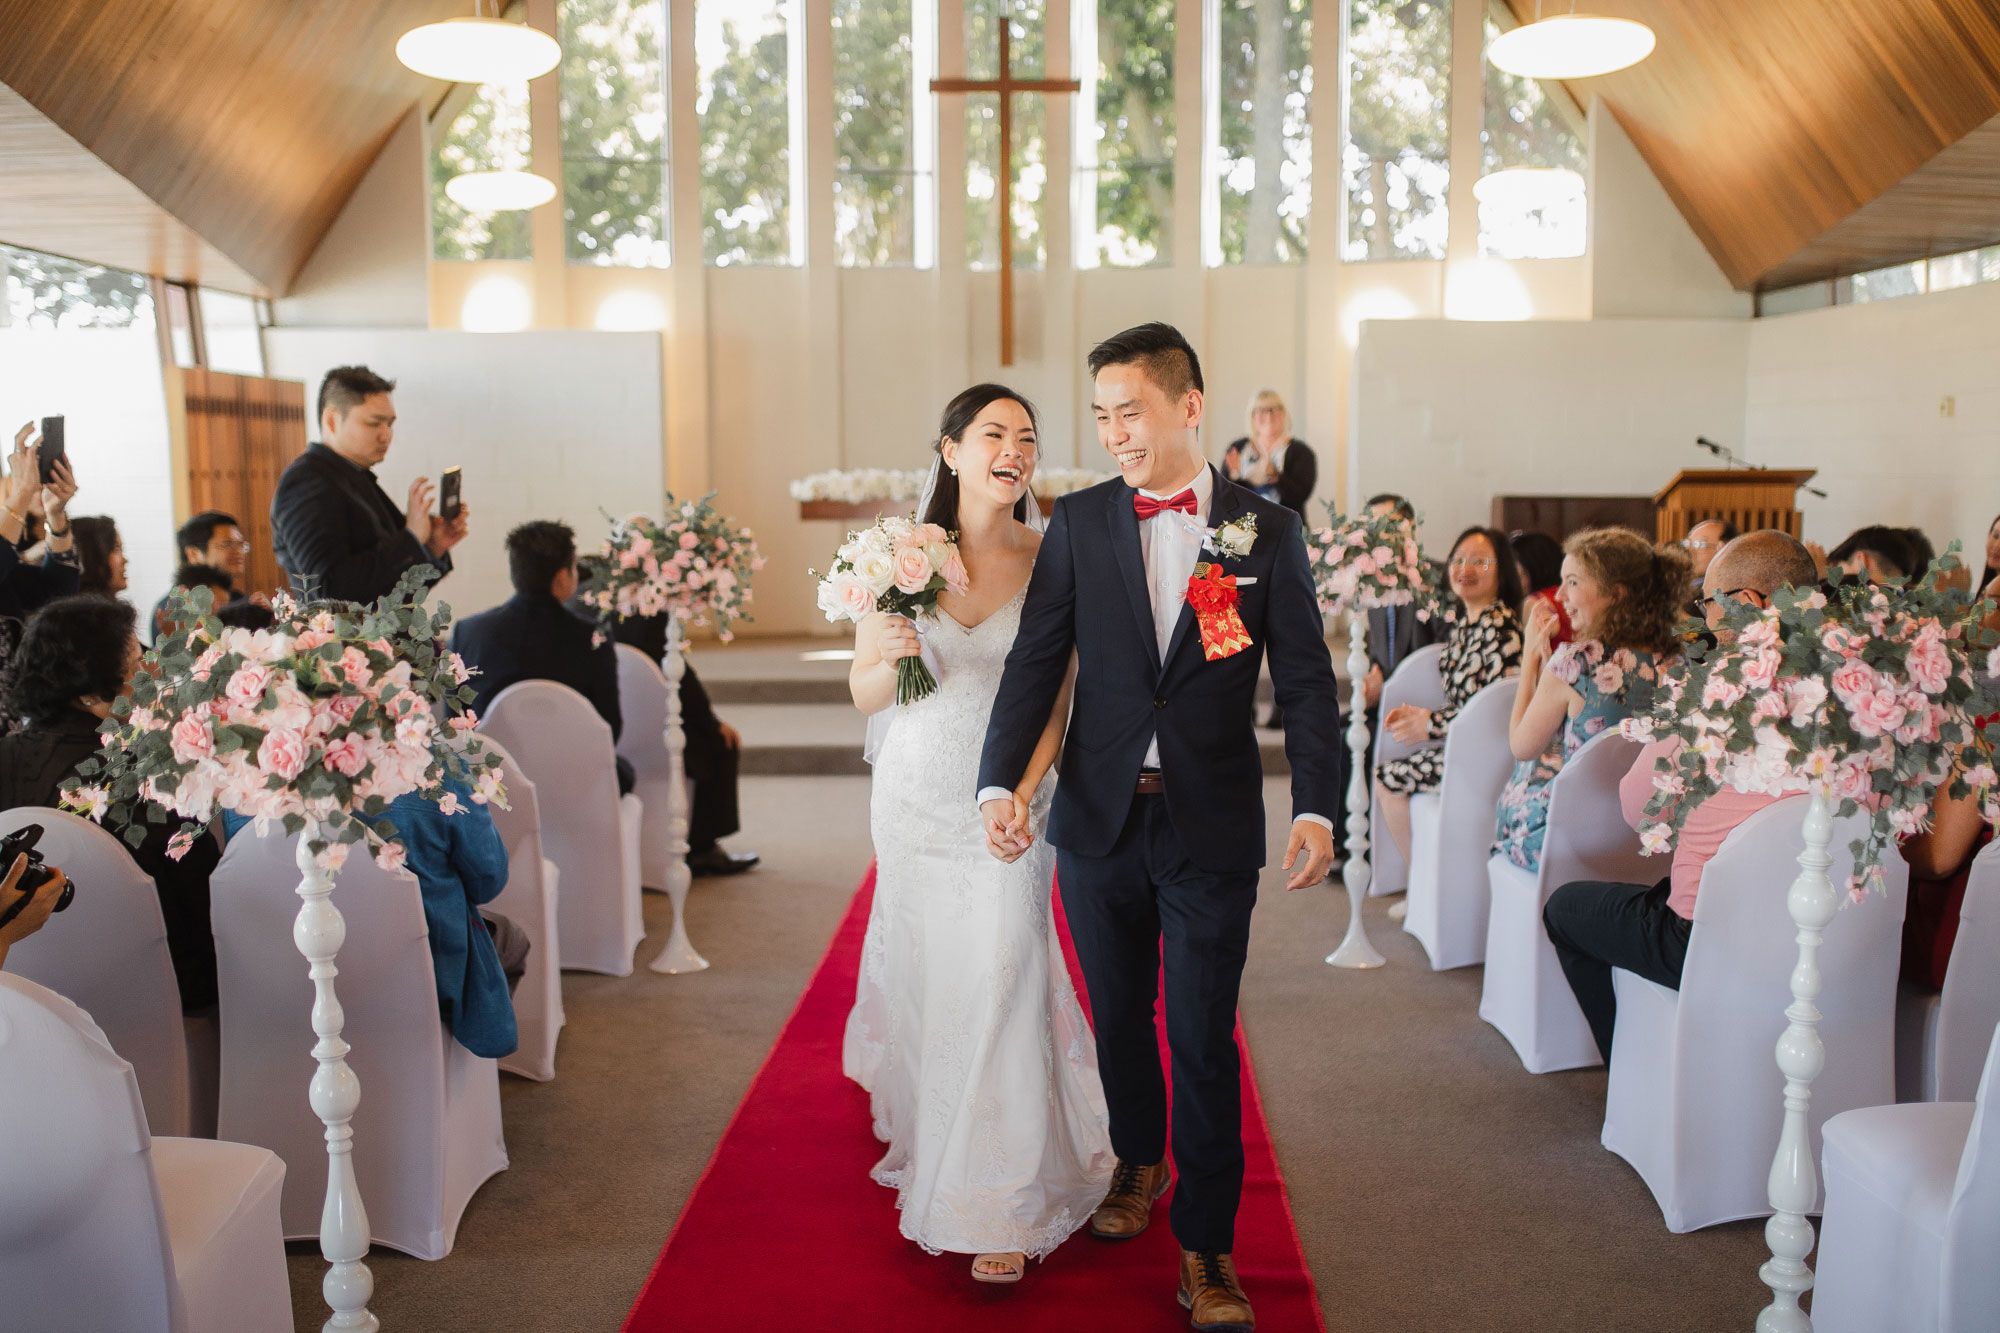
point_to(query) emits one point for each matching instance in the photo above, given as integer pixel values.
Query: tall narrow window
(983, 161)
(1125, 133)
(614, 132)
(1263, 126)
(490, 133)
(745, 54)
(884, 132)
(1396, 159)
(1530, 189)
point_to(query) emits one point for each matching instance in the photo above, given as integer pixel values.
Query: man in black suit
(1158, 820)
(334, 529)
(533, 636)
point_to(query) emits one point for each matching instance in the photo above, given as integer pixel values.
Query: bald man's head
(1760, 562)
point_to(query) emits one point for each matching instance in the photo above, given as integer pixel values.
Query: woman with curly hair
(76, 657)
(1624, 596)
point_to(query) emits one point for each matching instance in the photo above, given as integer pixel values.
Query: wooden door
(241, 433)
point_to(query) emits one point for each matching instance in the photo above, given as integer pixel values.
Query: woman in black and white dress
(1484, 646)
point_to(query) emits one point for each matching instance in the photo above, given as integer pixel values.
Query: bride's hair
(959, 414)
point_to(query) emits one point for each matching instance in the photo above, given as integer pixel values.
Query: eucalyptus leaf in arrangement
(694, 563)
(1370, 561)
(1881, 696)
(318, 723)
(899, 566)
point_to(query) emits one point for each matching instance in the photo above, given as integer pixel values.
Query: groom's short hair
(1159, 350)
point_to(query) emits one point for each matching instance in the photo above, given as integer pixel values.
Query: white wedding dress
(980, 1069)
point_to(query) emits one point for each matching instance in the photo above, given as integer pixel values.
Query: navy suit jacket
(1088, 592)
(535, 637)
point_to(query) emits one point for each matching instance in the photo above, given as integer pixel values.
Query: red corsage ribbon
(1213, 596)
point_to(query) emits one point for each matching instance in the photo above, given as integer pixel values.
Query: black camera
(22, 842)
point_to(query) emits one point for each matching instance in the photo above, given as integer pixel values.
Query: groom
(1159, 815)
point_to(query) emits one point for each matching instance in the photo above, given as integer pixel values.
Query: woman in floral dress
(1624, 596)
(1484, 646)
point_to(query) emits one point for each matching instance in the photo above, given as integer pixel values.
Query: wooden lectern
(1751, 499)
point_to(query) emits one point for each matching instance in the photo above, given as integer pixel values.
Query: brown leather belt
(1150, 783)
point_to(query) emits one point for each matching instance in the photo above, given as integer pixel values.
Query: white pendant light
(1528, 187)
(1571, 46)
(499, 191)
(478, 50)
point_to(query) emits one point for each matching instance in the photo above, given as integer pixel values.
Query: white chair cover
(642, 698)
(1912, 1226)
(1416, 681)
(1695, 1099)
(104, 1227)
(529, 901)
(107, 952)
(427, 1133)
(1525, 994)
(1451, 832)
(1970, 1005)
(588, 830)
(1916, 1043)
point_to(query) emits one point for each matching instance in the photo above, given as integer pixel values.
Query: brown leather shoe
(1129, 1206)
(1211, 1294)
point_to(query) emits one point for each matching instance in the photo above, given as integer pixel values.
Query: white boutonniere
(1233, 538)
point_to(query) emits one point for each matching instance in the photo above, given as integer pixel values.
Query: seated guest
(187, 578)
(1991, 572)
(35, 517)
(710, 752)
(1940, 859)
(335, 531)
(1484, 646)
(211, 540)
(102, 552)
(1540, 558)
(247, 614)
(1645, 929)
(533, 636)
(1623, 595)
(1877, 554)
(1922, 550)
(1268, 460)
(1704, 539)
(77, 655)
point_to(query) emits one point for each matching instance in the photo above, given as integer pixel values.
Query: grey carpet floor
(1437, 1185)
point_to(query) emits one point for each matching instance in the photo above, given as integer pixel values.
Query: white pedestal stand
(1794, 1182)
(679, 955)
(1355, 950)
(318, 931)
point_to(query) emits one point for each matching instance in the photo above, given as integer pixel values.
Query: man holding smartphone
(334, 529)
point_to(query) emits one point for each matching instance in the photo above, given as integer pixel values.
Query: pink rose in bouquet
(900, 567)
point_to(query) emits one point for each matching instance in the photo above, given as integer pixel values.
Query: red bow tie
(1145, 506)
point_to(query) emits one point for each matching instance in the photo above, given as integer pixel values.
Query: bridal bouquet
(898, 566)
(319, 723)
(1874, 695)
(693, 563)
(1370, 561)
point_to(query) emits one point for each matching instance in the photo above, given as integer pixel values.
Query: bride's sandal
(1013, 1263)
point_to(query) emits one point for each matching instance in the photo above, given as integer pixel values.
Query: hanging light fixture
(499, 191)
(1570, 46)
(479, 49)
(1528, 187)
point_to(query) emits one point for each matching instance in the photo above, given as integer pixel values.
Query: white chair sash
(1451, 832)
(1970, 1005)
(1416, 681)
(529, 901)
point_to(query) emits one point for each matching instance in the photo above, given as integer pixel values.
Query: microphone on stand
(1723, 452)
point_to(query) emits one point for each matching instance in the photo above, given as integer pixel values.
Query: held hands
(1408, 723)
(1311, 846)
(1009, 830)
(1371, 685)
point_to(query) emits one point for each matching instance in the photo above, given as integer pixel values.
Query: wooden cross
(1006, 86)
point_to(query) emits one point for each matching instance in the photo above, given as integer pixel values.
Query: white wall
(107, 383)
(370, 268)
(1452, 413)
(1646, 261)
(560, 424)
(1855, 391)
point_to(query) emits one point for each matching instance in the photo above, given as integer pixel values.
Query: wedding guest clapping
(1268, 460)
(1624, 597)
(1484, 646)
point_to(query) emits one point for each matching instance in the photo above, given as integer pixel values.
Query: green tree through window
(1264, 129)
(50, 292)
(1131, 185)
(614, 132)
(743, 53)
(1398, 128)
(982, 136)
(1536, 214)
(489, 134)
(881, 197)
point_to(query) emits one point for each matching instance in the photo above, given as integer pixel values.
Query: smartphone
(448, 493)
(51, 447)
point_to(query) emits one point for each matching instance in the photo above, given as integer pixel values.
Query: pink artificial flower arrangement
(898, 566)
(1874, 695)
(319, 723)
(1371, 561)
(693, 563)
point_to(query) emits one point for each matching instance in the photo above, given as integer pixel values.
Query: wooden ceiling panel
(250, 120)
(1771, 122)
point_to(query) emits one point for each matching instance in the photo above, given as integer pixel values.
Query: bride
(981, 1074)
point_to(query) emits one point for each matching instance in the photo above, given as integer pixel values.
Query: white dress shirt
(1170, 543)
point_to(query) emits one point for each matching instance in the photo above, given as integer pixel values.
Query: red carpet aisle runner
(786, 1231)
